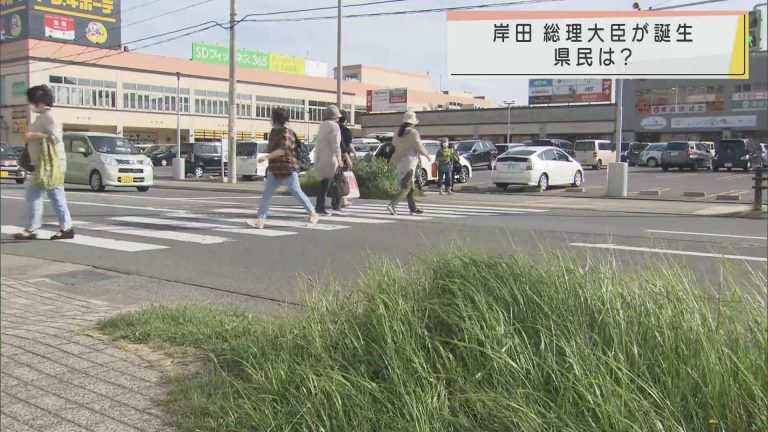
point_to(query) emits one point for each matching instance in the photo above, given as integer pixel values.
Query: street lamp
(509, 105)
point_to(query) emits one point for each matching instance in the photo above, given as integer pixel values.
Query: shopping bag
(354, 190)
(339, 186)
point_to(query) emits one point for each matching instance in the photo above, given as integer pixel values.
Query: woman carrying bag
(45, 150)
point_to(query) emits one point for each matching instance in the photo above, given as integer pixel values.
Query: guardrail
(761, 184)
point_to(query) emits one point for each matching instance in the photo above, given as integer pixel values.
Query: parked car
(594, 153)
(426, 172)
(562, 144)
(100, 160)
(634, 151)
(365, 146)
(536, 166)
(685, 154)
(202, 158)
(652, 154)
(9, 165)
(479, 153)
(163, 157)
(731, 153)
(505, 147)
(248, 154)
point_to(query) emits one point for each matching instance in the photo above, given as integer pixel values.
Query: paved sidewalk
(55, 378)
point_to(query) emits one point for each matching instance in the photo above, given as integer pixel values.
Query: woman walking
(444, 160)
(328, 157)
(408, 149)
(283, 169)
(46, 154)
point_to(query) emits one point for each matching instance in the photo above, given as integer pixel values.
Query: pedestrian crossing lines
(212, 226)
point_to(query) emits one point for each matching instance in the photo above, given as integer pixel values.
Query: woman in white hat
(408, 148)
(327, 157)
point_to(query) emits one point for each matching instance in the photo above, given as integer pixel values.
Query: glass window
(560, 156)
(547, 155)
(113, 145)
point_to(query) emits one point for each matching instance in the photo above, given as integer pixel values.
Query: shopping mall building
(134, 94)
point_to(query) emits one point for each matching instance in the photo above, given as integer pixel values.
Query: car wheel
(502, 186)
(142, 188)
(578, 179)
(96, 182)
(464, 175)
(163, 162)
(664, 168)
(198, 171)
(20, 180)
(421, 178)
(652, 162)
(598, 165)
(543, 183)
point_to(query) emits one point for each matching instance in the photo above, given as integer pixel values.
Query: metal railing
(761, 184)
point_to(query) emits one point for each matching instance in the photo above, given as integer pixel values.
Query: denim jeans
(34, 198)
(292, 182)
(445, 175)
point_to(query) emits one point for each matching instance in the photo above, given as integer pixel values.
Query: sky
(413, 42)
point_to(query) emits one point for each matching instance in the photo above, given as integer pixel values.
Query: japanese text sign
(652, 44)
(219, 54)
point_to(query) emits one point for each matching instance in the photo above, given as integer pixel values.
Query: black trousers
(325, 187)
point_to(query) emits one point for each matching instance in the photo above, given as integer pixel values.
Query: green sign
(19, 88)
(220, 55)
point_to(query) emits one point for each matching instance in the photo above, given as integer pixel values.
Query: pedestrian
(456, 164)
(347, 150)
(46, 153)
(408, 149)
(283, 169)
(444, 161)
(328, 158)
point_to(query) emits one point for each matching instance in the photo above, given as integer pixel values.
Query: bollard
(759, 179)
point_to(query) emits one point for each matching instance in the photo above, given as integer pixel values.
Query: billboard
(386, 100)
(286, 64)
(597, 44)
(208, 53)
(89, 23)
(568, 91)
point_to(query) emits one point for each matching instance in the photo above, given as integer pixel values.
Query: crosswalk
(169, 228)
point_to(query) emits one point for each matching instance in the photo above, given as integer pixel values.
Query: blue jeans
(445, 175)
(272, 183)
(34, 198)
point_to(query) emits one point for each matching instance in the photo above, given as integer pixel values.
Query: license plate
(673, 153)
(3, 173)
(728, 165)
(585, 161)
(126, 179)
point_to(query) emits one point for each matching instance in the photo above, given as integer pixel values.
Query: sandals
(25, 235)
(64, 234)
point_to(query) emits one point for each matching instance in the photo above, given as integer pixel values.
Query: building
(134, 94)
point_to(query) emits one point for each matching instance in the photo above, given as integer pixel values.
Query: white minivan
(594, 153)
(101, 159)
(248, 154)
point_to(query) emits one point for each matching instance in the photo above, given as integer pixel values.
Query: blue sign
(539, 83)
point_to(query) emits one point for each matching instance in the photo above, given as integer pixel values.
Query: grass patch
(376, 180)
(464, 342)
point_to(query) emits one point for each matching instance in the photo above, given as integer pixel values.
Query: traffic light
(755, 18)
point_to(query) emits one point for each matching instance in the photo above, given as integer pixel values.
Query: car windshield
(731, 145)
(432, 148)
(677, 146)
(5, 149)
(113, 145)
(365, 148)
(465, 146)
(585, 146)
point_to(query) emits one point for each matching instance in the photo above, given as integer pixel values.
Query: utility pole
(339, 74)
(232, 160)
(178, 161)
(509, 105)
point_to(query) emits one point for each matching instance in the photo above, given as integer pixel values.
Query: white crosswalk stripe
(217, 225)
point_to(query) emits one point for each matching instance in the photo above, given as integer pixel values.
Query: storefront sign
(19, 88)
(653, 123)
(628, 44)
(714, 122)
(19, 120)
(220, 55)
(749, 101)
(59, 27)
(387, 100)
(567, 91)
(286, 64)
(81, 22)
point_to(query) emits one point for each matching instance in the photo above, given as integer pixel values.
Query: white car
(248, 154)
(651, 156)
(363, 146)
(101, 159)
(428, 171)
(536, 166)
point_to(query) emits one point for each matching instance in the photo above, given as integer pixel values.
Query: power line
(143, 20)
(379, 2)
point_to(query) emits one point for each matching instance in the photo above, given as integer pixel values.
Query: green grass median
(465, 342)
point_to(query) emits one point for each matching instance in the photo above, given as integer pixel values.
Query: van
(100, 160)
(594, 153)
(730, 154)
(202, 157)
(685, 154)
(248, 154)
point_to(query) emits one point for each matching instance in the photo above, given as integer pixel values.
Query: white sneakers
(256, 223)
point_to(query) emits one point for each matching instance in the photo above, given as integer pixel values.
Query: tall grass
(463, 342)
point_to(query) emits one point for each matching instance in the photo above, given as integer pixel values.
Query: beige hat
(410, 117)
(331, 113)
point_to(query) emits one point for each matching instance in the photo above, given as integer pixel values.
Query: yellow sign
(90, 9)
(96, 32)
(286, 64)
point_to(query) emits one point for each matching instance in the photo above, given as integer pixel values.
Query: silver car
(686, 154)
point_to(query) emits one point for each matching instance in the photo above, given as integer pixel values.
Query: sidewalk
(56, 378)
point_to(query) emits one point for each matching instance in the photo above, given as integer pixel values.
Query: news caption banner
(648, 44)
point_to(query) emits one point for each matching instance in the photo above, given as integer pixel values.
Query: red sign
(59, 27)
(369, 101)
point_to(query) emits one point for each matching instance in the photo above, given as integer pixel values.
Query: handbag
(340, 186)
(25, 160)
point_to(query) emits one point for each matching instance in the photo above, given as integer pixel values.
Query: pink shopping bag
(354, 190)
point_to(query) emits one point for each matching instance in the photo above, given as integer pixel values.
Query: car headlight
(108, 161)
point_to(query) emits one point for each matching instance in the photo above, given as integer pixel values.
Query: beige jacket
(407, 150)
(46, 124)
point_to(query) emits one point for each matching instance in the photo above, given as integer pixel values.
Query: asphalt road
(198, 239)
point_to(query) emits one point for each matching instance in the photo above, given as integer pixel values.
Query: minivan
(101, 159)
(594, 153)
(248, 154)
(731, 153)
(685, 154)
(202, 157)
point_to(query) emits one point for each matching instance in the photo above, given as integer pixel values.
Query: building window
(69, 91)
(154, 98)
(265, 104)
